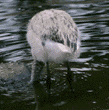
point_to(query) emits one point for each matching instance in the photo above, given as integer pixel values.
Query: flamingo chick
(53, 37)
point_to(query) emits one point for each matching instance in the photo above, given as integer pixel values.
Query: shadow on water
(90, 71)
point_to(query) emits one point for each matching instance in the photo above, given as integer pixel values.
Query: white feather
(48, 25)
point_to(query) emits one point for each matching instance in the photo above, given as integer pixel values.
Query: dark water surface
(90, 71)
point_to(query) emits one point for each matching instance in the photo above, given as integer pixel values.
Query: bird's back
(52, 35)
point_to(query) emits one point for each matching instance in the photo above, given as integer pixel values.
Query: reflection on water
(90, 71)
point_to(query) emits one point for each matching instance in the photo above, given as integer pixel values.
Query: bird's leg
(69, 75)
(48, 80)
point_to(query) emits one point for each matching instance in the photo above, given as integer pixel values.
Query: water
(90, 71)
